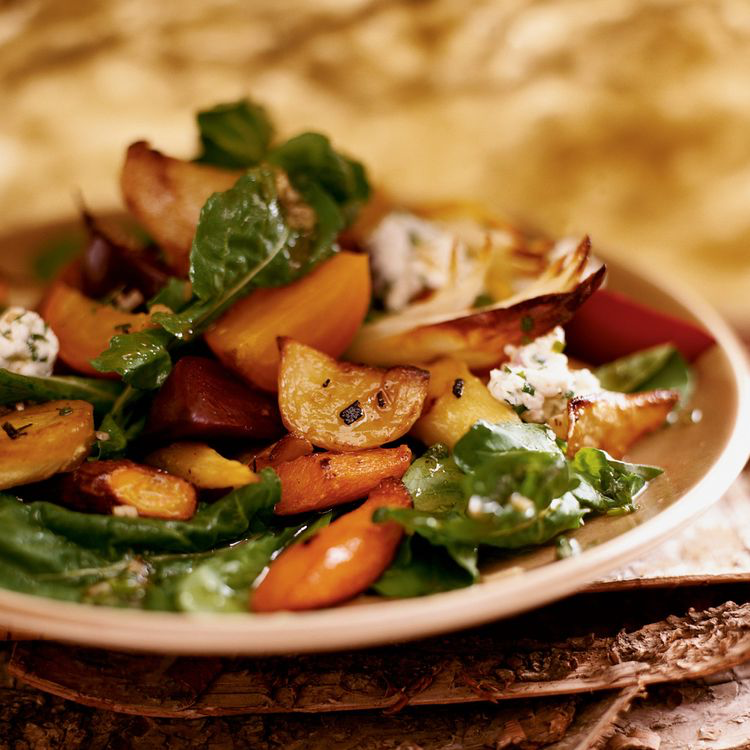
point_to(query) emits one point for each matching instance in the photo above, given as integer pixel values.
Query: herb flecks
(527, 323)
(15, 432)
(64, 411)
(458, 387)
(352, 413)
(326, 383)
(380, 398)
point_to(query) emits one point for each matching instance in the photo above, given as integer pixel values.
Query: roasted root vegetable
(324, 310)
(478, 338)
(291, 446)
(42, 440)
(343, 406)
(166, 195)
(613, 421)
(323, 480)
(201, 465)
(339, 562)
(84, 326)
(106, 486)
(455, 401)
(202, 400)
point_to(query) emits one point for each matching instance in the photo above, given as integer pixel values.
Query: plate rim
(402, 619)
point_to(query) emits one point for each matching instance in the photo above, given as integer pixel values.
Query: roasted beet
(201, 399)
(108, 264)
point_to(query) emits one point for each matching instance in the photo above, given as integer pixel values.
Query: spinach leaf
(421, 568)
(175, 294)
(222, 582)
(234, 135)
(659, 366)
(486, 439)
(246, 509)
(434, 481)
(102, 394)
(608, 485)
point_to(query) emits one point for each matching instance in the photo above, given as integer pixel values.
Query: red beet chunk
(202, 400)
(609, 326)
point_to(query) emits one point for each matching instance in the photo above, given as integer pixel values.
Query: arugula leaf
(661, 366)
(421, 568)
(310, 158)
(486, 439)
(246, 509)
(102, 394)
(234, 135)
(434, 481)
(141, 358)
(607, 484)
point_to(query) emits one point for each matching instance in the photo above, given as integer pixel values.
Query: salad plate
(700, 456)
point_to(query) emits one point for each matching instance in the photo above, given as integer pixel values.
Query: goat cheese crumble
(537, 381)
(28, 346)
(410, 255)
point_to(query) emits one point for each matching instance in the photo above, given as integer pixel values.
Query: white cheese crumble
(411, 255)
(28, 346)
(537, 381)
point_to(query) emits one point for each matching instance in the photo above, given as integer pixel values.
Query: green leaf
(234, 135)
(607, 484)
(421, 568)
(222, 583)
(435, 483)
(309, 158)
(57, 253)
(142, 358)
(246, 509)
(102, 394)
(485, 439)
(657, 367)
(175, 294)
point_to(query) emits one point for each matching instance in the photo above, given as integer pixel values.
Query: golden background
(628, 120)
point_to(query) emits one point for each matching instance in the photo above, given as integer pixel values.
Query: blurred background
(627, 119)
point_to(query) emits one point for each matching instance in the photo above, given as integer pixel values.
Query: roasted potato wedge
(341, 406)
(323, 480)
(324, 309)
(613, 421)
(42, 440)
(166, 196)
(478, 338)
(201, 465)
(84, 327)
(455, 401)
(107, 486)
(291, 446)
(201, 400)
(339, 562)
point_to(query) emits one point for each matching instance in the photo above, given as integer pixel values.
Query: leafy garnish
(234, 135)
(102, 394)
(661, 366)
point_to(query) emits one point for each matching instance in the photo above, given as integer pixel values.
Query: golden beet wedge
(455, 401)
(201, 465)
(613, 421)
(323, 480)
(323, 309)
(291, 446)
(166, 196)
(341, 406)
(42, 440)
(339, 562)
(104, 486)
(84, 327)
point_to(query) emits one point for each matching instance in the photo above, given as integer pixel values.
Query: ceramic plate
(700, 461)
